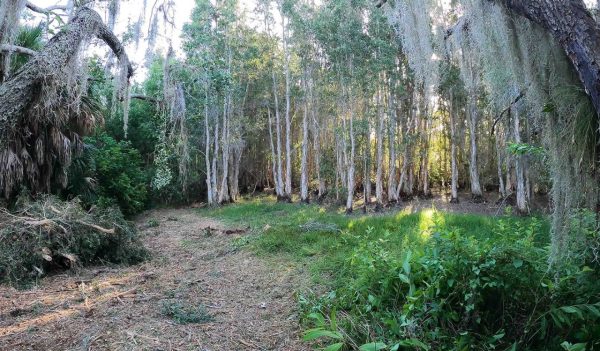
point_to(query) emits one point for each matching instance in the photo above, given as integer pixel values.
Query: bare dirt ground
(249, 301)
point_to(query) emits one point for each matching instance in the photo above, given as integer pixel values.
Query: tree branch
(519, 97)
(17, 49)
(145, 98)
(115, 45)
(45, 10)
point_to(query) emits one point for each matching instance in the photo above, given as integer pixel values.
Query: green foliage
(27, 37)
(110, 172)
(432, 281)
(182, 314)
(49, 234)
(457, 291)
(525, 149)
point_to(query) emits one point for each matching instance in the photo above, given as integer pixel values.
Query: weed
(181, 314)
(153, 223)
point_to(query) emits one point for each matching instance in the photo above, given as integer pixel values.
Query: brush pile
(48, 234)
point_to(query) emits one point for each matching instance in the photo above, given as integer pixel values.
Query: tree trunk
(40, 97)
(454, 181)
(367, 164)
(392, 126)
(426, 123)
(234, 189)
(224, 191)
(476, 192)
(209, 188)
(350, 166)
(575, 29)
(304, 162)
(499, 159)
(215, 169)
(405, 185)
(279, 178)
(273, 155)
(379, 135)
(288, 122)
(316, 143)
(522, 207)
(19, 91)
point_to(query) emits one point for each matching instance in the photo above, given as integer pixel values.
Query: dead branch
(45, 10)
(17, 49)
(98, 228)
(40, 222)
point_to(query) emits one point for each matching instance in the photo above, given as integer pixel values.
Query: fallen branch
(98, 228)
(40, 222)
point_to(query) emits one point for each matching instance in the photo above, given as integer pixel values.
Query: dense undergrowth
(431, 280)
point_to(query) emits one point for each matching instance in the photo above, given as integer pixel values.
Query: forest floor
(198, 292)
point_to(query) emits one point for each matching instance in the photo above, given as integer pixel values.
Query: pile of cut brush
(48, 234)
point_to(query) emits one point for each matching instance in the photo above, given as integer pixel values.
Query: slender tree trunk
(288, 122)
(522, 206)
(392, 126)
(426, 123)
(279, 179)
(454, 177)
(476, 192)
(367, 164)
(234, 188)
(215, 175)
(499, 162)
(273, 155)
(405, 184)
(340, 180)
(304, 162)
(350, 166)
(209, 188)
(224, 192)
(379, 136)
(316, 142)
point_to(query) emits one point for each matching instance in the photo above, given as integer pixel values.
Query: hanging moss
(504, 56)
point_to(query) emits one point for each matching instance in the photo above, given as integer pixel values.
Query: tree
(43, 98)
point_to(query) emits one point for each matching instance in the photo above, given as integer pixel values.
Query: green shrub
(109, 173)
(457, 292)
(49, 234)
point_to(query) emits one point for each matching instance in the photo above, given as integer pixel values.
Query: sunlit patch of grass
(279, 231)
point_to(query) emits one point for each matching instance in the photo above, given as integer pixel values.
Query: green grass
(279, 231)
(426, 281)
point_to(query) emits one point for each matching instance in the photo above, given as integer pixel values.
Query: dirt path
(248, 302)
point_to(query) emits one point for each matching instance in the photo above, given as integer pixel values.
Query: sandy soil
(251, 301)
